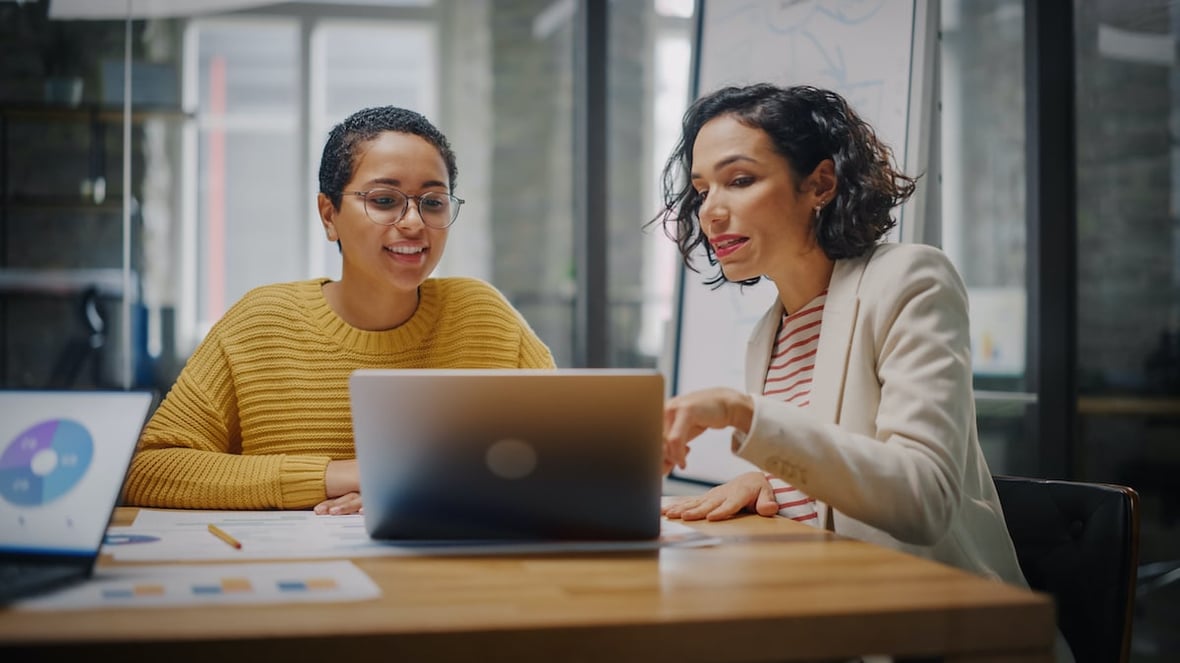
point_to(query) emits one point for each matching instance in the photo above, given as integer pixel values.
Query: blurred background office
(1056, 161)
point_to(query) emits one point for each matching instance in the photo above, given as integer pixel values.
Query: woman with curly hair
(858, 402)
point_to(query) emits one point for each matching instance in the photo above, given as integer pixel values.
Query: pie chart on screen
(44, 462)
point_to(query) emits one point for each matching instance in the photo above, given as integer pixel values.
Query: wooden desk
(775, 590)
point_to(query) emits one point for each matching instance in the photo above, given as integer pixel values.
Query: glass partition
(982, 179)
(1128, 284)
(73, 234)
(229, 111)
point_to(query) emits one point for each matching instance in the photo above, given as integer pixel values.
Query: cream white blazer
(888, 445)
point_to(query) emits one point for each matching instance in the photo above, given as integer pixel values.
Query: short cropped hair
(340, 151)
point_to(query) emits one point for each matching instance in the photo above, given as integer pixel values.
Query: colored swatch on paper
(311, 584)
(133, 591)
(225, 586)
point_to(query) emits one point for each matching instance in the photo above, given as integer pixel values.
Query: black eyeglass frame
(456, 201)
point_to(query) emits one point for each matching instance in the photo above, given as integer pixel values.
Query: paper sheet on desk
(183, 536)
(204, 584)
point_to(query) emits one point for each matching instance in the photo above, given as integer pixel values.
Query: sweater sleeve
(533, 351)
(190, 453)
(491, 311)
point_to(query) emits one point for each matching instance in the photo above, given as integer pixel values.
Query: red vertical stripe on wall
(215, 201)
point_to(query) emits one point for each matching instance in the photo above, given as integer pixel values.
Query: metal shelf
(88, 113)
(66, 282)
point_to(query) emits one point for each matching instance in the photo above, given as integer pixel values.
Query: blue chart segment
(45, 462)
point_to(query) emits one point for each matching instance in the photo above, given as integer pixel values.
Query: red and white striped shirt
(788, 378)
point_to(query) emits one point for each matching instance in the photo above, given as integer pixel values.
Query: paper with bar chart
(180, 585)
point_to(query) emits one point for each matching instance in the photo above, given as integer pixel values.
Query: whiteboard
(879, 55)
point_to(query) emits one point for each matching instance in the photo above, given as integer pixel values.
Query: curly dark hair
(806, 125)
(338, 161)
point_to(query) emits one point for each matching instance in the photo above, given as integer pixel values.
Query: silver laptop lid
(511, 454)
(63, 458)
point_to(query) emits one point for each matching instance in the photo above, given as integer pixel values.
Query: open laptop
(509, 454)
(63, 459)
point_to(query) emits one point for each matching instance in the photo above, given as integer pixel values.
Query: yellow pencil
(221, 534)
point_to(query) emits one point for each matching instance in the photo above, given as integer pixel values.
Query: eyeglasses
(386, 207)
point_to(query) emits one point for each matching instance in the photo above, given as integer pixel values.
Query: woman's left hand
(749, 492)
(340, 506)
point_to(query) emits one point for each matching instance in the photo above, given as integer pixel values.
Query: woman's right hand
(342, 486)
(344, 505)
(688, 415)
(750, 491)
(342, 477)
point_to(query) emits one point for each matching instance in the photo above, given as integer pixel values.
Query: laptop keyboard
(18, 580)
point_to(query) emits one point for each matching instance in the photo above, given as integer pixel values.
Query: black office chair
(1079, 542)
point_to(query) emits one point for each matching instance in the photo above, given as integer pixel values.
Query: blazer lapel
(759, 347)
(835, 339)
(831, 358)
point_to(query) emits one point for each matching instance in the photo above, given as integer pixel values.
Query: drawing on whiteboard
(834, 44)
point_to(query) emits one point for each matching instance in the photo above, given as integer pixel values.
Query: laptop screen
(509, 454)
(63, 458)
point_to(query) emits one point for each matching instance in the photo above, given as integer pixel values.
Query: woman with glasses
(259, 417)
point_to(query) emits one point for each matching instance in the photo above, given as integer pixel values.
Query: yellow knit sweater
(262, 405)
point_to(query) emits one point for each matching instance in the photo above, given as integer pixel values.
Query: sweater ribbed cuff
(302, 481)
